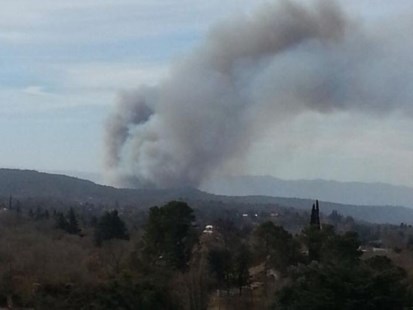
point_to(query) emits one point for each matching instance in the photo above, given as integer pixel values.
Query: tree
(339, 279)
(312, 238)
(327, 246)
(38, 214)
(72, 225)
(276, 247)
(219, 261)
(67, 223)
(372, 284)
(169, 235)
(110, 226)
(61, 222)
(341, 248)
(241, 264)
(121, 293)
(229, 259)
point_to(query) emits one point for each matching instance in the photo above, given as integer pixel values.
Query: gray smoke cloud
(251, 72)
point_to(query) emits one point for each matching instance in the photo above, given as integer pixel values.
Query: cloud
(45, 21)
(112, 76)
(35, 91)
(343, 146)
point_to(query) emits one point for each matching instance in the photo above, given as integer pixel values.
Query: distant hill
(341, 192)
(33, 184)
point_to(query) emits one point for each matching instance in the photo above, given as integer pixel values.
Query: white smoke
(250, 72)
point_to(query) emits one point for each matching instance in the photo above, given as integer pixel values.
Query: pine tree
(110, 226)
(38, 214)
(72, 225)
(61, 221)
(169, 234)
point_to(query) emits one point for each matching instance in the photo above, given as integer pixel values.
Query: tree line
(170, 262)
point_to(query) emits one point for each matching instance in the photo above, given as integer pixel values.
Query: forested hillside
(46, 188)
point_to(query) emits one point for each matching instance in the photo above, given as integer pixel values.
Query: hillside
(356, 193)
(32, 184)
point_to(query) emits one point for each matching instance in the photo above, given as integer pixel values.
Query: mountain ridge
(31, 183)
(360, 193)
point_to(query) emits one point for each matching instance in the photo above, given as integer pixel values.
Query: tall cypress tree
(315, 216)
(313, 233)
(312, 218)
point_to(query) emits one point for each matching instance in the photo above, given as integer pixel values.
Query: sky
(64, 63)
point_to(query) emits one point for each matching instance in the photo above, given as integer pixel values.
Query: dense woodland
(86, 257)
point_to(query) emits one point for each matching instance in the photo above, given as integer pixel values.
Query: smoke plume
(251, 72)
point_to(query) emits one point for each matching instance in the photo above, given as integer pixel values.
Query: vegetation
(169, 236)
(110, 226)
(51, 191)
(87, 257)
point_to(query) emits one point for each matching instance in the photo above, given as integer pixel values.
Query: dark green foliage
(315, 216)
(343, 249)
(110, 226)
(142, 295)
(39, 214)
(61, 222)
(241, 262)
(72, 225)
(276, 246)
(230, 266)
(169, 236)
(67, 223)
(338, 279)
(313, 239)
(327, 246)
(122, 294)
(219, 261)
(371, 285)
(165, 268)
(229, 259)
